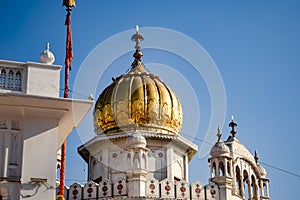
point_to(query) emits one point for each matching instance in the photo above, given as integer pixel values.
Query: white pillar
(225, 167)
(105, 175)
(170, 156)
(249, 188)
(217, 168)
(146, 161)
(242, 186)
(267, 189)
(186, 171)
(262, 188)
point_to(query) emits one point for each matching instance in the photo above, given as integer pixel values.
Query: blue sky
(255, 45)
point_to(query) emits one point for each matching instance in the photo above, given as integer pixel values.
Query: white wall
(39, 157)
(43, 80)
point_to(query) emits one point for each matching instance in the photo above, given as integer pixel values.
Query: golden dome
(137, 100)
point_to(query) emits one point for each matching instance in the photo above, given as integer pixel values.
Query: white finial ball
(47, 56)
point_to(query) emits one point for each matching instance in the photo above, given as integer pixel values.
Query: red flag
(69, 52)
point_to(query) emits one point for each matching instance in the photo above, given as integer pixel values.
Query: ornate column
(249, 189)
(242, 191)
(262, 188)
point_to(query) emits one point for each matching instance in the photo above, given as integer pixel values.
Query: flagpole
(68, 59)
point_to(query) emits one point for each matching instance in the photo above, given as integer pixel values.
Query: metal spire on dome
(219, 134)
(137, 37)
(232, 124)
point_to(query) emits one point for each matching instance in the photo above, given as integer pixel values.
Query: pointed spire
(256, 156)
(47, 46)
(232, 124)
(219, 134)
(137, 38)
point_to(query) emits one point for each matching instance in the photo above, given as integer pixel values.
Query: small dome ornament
(219, 135)
(47, 56)
(261, 170)
(233, 124)
(220, 148)
(136, 140)
(137, 37)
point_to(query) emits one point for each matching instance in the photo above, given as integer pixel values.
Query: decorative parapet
(29, 78)
(105, 189)
(183, 190)
(165, 189)
(90, 190)
(120, 188)
(152, 188)
(75, 191)
(11, 78)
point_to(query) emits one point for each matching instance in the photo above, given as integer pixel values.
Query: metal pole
(68, 60)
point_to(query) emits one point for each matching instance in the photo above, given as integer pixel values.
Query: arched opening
(228, 169)
(214, 169)
(265, 189)
(246, 185)
(10, 80)
(136, 160)
(221, 169)
(253, 187)
(143, 161)
(238, 181)
(18, 81)
(2, 79)
(260, 190)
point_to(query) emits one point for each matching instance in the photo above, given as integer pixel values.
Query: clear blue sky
(255, 45)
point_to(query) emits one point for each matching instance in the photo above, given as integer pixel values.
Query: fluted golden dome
(137, 100)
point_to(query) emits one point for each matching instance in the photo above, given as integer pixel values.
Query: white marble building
(34, 122)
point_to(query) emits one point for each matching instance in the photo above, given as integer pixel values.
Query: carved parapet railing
(29, 78)
(165, 189)
(11, 78)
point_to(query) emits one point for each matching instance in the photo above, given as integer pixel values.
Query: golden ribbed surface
(137, 100)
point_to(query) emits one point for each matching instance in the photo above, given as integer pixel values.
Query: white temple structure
(137, 153)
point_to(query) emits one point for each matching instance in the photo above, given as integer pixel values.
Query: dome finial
(219, 134)
(47, 46)
(256, 156)
(137, 37)
(47, 56)
(232, 124)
